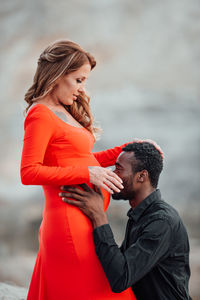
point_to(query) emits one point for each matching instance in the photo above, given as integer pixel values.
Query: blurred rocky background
(146, 84)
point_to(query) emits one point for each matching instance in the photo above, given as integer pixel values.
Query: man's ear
(142, 176)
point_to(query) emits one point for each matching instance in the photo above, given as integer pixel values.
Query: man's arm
(122, 269)
(125, 269)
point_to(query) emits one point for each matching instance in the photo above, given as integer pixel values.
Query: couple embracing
(78, 257)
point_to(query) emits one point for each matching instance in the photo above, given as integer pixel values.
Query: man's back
(168, 262)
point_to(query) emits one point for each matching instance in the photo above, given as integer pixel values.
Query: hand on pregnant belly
(106, 179)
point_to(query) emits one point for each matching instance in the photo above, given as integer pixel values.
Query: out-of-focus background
(146, 84)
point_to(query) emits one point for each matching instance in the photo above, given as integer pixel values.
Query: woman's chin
(68, 102)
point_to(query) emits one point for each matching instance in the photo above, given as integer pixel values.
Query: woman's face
(70, 86)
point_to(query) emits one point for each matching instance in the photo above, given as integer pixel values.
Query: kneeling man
(154, 256)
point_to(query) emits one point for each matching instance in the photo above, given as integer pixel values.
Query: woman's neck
(51, 103)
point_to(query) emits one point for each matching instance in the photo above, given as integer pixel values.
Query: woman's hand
(136, 140)
(106, 179)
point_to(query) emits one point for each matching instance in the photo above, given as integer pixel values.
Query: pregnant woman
(58, 140)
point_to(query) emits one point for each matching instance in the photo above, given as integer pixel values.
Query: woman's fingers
(111, 173)
(136, 140)
(114, 181)
(111, 185)
(156, 146)
(105, 178)
(105, 187)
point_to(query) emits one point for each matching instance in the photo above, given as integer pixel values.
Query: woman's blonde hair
(59, 59)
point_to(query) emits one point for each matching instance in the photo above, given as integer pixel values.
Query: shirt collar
(135, 213)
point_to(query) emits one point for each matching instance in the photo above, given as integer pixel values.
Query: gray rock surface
(10, 292)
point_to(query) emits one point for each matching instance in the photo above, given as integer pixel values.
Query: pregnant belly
(65, 230)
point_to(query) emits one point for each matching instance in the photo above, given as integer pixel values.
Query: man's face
(123, 168)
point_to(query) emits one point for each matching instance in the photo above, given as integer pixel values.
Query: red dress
(54, 154)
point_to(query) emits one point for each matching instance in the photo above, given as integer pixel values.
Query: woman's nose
(81, 89)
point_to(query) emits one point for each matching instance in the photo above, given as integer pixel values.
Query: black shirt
(154, 256)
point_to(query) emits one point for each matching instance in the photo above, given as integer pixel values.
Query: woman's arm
(108, 157)
(39, 132)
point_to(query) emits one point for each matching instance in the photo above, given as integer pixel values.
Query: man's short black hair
(148, 158)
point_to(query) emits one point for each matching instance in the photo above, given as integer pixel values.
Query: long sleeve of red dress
(39, 132)
(108, 157)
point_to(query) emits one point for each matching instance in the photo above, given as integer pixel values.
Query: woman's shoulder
(39, 112)
(38, 108)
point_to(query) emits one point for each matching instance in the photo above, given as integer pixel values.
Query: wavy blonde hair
(59, 59)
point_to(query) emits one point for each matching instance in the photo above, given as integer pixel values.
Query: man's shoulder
(164, 211)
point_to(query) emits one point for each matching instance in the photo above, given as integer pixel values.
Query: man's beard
(127, 193)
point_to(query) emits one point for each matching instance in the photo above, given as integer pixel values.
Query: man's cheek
(125, 182)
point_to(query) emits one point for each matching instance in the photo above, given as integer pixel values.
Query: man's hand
(90, 202)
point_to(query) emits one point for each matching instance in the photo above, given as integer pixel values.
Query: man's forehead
(125, 158)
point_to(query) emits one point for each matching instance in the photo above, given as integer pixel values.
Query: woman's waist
(64, 227)
(54, 201)
(61, 212)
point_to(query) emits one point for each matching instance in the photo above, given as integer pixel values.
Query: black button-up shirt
(154, 256)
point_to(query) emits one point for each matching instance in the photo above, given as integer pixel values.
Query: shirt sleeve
(108, 157)
(125, 269)
(39, 132)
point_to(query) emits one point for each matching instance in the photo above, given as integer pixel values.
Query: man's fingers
(71, 195)
(75, 190)
(98, 190)
(66, 187)
(85, 187)
(73, 202)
